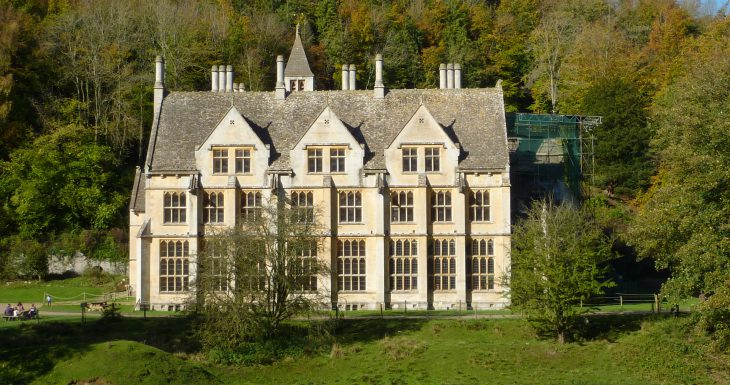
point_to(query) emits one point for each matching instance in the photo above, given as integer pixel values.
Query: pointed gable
(297, 65)
(232, 130)
(327, 130)
(327, 135)
(422, 128)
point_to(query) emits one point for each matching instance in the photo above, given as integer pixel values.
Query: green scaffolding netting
(549, 150)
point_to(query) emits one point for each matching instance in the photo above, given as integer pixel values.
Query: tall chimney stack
(229, 78)
(214, 79)
(159, 72)
(457, 75)
(379, 88)
(159, 90)
(353, 86)
(450, 75)
(221, 78)
(442, 76)
(345, 77)
(280, 88)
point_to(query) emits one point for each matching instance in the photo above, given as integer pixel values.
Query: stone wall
(79, 263)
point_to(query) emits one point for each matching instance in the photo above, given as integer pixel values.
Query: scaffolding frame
(546, 149)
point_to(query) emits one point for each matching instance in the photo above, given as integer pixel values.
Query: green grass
(499, 352)
(127, 363)
(34, 292)
(34, 350)
(618, 349)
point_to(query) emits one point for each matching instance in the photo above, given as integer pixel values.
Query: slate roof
(298, 65)
(472, 117)
(137, 202)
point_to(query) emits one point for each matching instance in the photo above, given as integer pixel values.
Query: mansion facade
(411, 185)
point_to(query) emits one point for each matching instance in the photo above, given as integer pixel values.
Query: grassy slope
(636, 351)
(127, 363)
(501, 352)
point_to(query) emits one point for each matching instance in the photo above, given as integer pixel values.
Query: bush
(96, 275)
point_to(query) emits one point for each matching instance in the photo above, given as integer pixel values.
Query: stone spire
(298, 65)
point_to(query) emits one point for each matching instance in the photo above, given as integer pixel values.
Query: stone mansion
(412, 185)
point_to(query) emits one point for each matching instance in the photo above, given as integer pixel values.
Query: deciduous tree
(557, 257)
(260, 273)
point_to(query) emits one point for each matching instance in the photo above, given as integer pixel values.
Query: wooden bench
(11, 317)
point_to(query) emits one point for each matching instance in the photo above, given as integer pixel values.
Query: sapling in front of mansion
(411, 185)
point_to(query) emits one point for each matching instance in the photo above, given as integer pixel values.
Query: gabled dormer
(297, 75)
(327, 147)
(422, 147)
(232, 149)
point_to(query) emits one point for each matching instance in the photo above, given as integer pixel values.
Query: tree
(557, 255)
(258, 274)
(622, 142)
(26, 259)
(682, 223)
(550, 43)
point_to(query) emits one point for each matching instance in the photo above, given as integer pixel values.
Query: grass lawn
(72, 289)
(620, 349)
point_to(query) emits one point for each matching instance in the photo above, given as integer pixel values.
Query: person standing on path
(48, 299)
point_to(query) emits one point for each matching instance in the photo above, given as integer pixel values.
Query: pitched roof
(472, 117)
(297, 65)
(137, 202)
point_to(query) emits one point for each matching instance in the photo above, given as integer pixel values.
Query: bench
(11, 317)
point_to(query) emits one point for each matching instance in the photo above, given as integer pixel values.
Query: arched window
(305, 267)
(403, 265)
(213, 211)
(216, 265)
(482, 264)
(443, 264)
(302, 203)
(350, 203)
(174, 266)
(479, 206)
(441, 206)
(401, 206)
(351, 265)
(251, 202)
(174, 207)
